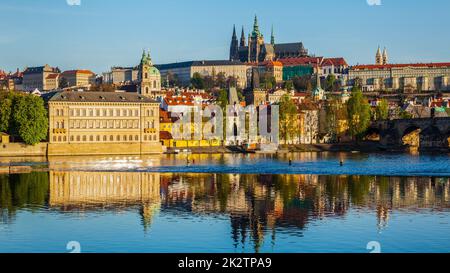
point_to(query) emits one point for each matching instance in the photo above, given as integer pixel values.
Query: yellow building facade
(166, 124)
(83, 123)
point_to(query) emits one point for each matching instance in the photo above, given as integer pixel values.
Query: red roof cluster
(313, 61)
(186, 98)
(271, 63)
(301, 61)
(79, 71)
(4, 75)
(389, 66)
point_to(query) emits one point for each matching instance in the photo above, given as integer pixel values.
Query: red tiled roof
(53, 76)
(165, 117)
(271, 63)
(78, 71)
(165, 135)
(334, 61)
(389, 66)
(301, 61)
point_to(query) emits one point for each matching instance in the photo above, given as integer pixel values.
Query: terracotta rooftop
(53, 76)
(389, 66)
(78, 71)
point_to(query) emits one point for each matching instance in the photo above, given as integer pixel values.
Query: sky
(98, 34)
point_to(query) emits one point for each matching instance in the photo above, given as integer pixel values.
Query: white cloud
(374, 2)
(73, 2)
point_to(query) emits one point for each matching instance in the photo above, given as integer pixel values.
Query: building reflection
(258, 206)
(110, 190)
(261, 205)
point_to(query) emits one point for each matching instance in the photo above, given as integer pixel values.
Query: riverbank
(366, 146)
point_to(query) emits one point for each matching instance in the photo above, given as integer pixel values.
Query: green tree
(330, 82)
(6, 102)
(358, 113)
(288, 85)
(405, 114)
(221, 80)
(222, 99)
(30, 120)
(331, 118)
(288, 116)
(302, 83)
(197, 81)
(104, 87)
(382, 110)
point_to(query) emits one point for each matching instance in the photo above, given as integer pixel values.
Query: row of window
(104, 124)
(104, 138)
(104, 112)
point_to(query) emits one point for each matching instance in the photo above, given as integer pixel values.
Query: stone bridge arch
(434, 132)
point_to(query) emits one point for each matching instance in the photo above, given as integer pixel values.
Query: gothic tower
(234, 47)
(149, 77)
(255, 41)
(385, 56)
(242, 44)
(378, 57)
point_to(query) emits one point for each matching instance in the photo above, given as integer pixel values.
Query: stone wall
(104, 149)
(21, 149)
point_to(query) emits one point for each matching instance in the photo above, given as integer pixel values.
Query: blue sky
(99, 34)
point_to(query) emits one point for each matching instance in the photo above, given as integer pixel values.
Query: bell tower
(149, 77)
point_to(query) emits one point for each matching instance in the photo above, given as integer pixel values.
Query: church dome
(153, 71)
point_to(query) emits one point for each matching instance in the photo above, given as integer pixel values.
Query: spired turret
(385, 56)
(378, 57)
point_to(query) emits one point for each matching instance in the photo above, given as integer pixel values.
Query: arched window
(146, 75)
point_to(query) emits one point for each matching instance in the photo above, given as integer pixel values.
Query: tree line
(23, 116)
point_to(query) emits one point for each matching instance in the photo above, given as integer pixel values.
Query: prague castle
(256, 50)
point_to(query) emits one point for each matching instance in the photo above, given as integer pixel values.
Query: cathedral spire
(242, 37)
(256, 27)
(234, 47)
(272, 37)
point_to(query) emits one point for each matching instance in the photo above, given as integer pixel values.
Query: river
(228, 203)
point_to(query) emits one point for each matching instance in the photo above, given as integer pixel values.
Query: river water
(228, 203)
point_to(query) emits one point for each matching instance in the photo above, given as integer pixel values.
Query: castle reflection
(256, 205)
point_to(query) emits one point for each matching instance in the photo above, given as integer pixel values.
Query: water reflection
(257, 206)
